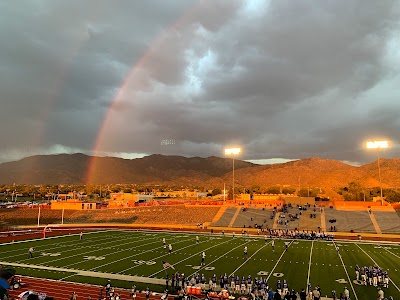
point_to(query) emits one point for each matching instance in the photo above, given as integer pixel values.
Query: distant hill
(210, 172)
(80, 169)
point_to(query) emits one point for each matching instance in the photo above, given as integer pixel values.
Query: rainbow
(104, 129)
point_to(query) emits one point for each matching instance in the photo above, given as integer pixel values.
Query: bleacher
(249, 217)
(349, 220)
(388, 221)
(307, 223)
(291, 223)
(225, 218)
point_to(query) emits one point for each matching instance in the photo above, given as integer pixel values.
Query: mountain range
(210, 172)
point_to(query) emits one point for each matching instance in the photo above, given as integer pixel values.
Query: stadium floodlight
(378, 145)
(233, 152)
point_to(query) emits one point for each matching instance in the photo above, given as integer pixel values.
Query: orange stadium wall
(266, 197)
(258, 203)
(299, 200)
(241, 197)
(359, 204)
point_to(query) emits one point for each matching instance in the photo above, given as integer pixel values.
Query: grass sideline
(135, 257)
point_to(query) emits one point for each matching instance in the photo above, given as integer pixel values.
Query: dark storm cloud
(280, 78)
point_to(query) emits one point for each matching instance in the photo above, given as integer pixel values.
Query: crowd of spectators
(297, 234)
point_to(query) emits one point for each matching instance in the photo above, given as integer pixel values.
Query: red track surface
(61, 290)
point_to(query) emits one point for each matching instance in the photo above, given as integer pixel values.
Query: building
(118, 200)
(73, 204)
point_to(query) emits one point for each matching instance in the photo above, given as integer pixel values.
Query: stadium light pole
(233, 152)
(378, 145)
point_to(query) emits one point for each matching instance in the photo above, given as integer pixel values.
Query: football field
(136, 257)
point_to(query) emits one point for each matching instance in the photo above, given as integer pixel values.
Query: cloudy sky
(282, 79)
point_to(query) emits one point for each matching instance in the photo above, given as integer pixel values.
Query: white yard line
(178, 262)
(117, 246)
(247, 260)
(394, 254)
(378, 266)
(41, 239)
(84, 244)
(284, 251)
(151, 250)
(344, 267)
(128, 257)
(218, 258)
(309, 266)
(113, 241)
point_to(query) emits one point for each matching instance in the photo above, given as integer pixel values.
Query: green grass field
(121, 255)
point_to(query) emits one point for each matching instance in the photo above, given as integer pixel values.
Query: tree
(288, 190)
(356, 189)
(216, 191)
(274, 190)
(392, 196)
(303, 193)
(255, 189)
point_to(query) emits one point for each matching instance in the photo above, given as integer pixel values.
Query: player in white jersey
(31, 249)
(357, 269)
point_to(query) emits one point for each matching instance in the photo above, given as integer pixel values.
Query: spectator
(133, 292)
(277, 296)
(303, 295)
(270, 295)
(346, 293)
(108, 287)
(316, 294)
(147, 293)
(381, 294)
(32, 297)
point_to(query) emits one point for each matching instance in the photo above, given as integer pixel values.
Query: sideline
(89, 273)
